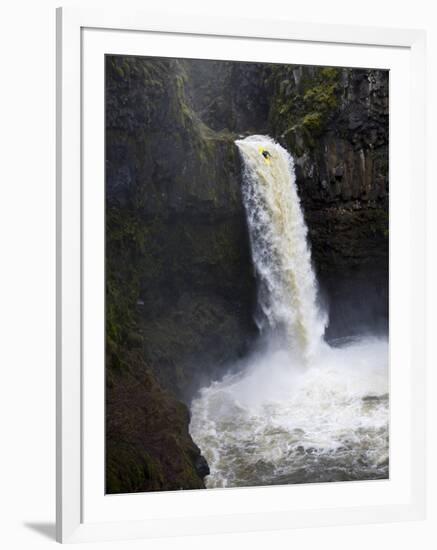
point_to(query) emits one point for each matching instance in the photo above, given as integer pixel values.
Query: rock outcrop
(148, 447)
(180, 287)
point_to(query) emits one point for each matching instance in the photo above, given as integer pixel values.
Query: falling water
(299, 410)
(287, 284)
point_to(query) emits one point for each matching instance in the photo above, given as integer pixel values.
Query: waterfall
(287, 294)
(301, 411)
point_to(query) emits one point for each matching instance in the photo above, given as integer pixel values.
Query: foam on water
(281, 422)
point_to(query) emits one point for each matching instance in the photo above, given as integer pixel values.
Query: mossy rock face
(303, 100)
(176, 227)
(148, 446)
(335, 124)
(179, 279)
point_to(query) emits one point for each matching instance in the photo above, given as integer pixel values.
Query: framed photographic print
(240, 275)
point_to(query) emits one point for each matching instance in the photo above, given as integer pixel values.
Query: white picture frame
(82, 513)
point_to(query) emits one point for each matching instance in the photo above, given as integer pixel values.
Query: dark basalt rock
(174, 203)
(202, 467)
(148, 446)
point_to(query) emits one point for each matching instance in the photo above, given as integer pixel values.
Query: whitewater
(298, 410)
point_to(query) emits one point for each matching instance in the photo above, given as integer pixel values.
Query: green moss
(303, 109)
(125, 241)
(313, 122)
(128, 472)
(331, 74)
(119, 71)
(321, 97)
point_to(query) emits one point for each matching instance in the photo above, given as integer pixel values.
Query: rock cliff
(335, 122)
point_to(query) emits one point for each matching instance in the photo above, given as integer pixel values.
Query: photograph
(246, 274)
(220, 249)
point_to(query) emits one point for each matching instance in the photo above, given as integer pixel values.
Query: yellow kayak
(267, 156)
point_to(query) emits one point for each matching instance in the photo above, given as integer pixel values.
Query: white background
(97, 507)
(27, 122)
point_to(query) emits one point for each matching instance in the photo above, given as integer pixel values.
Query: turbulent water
(287, 284)
(300, 410)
